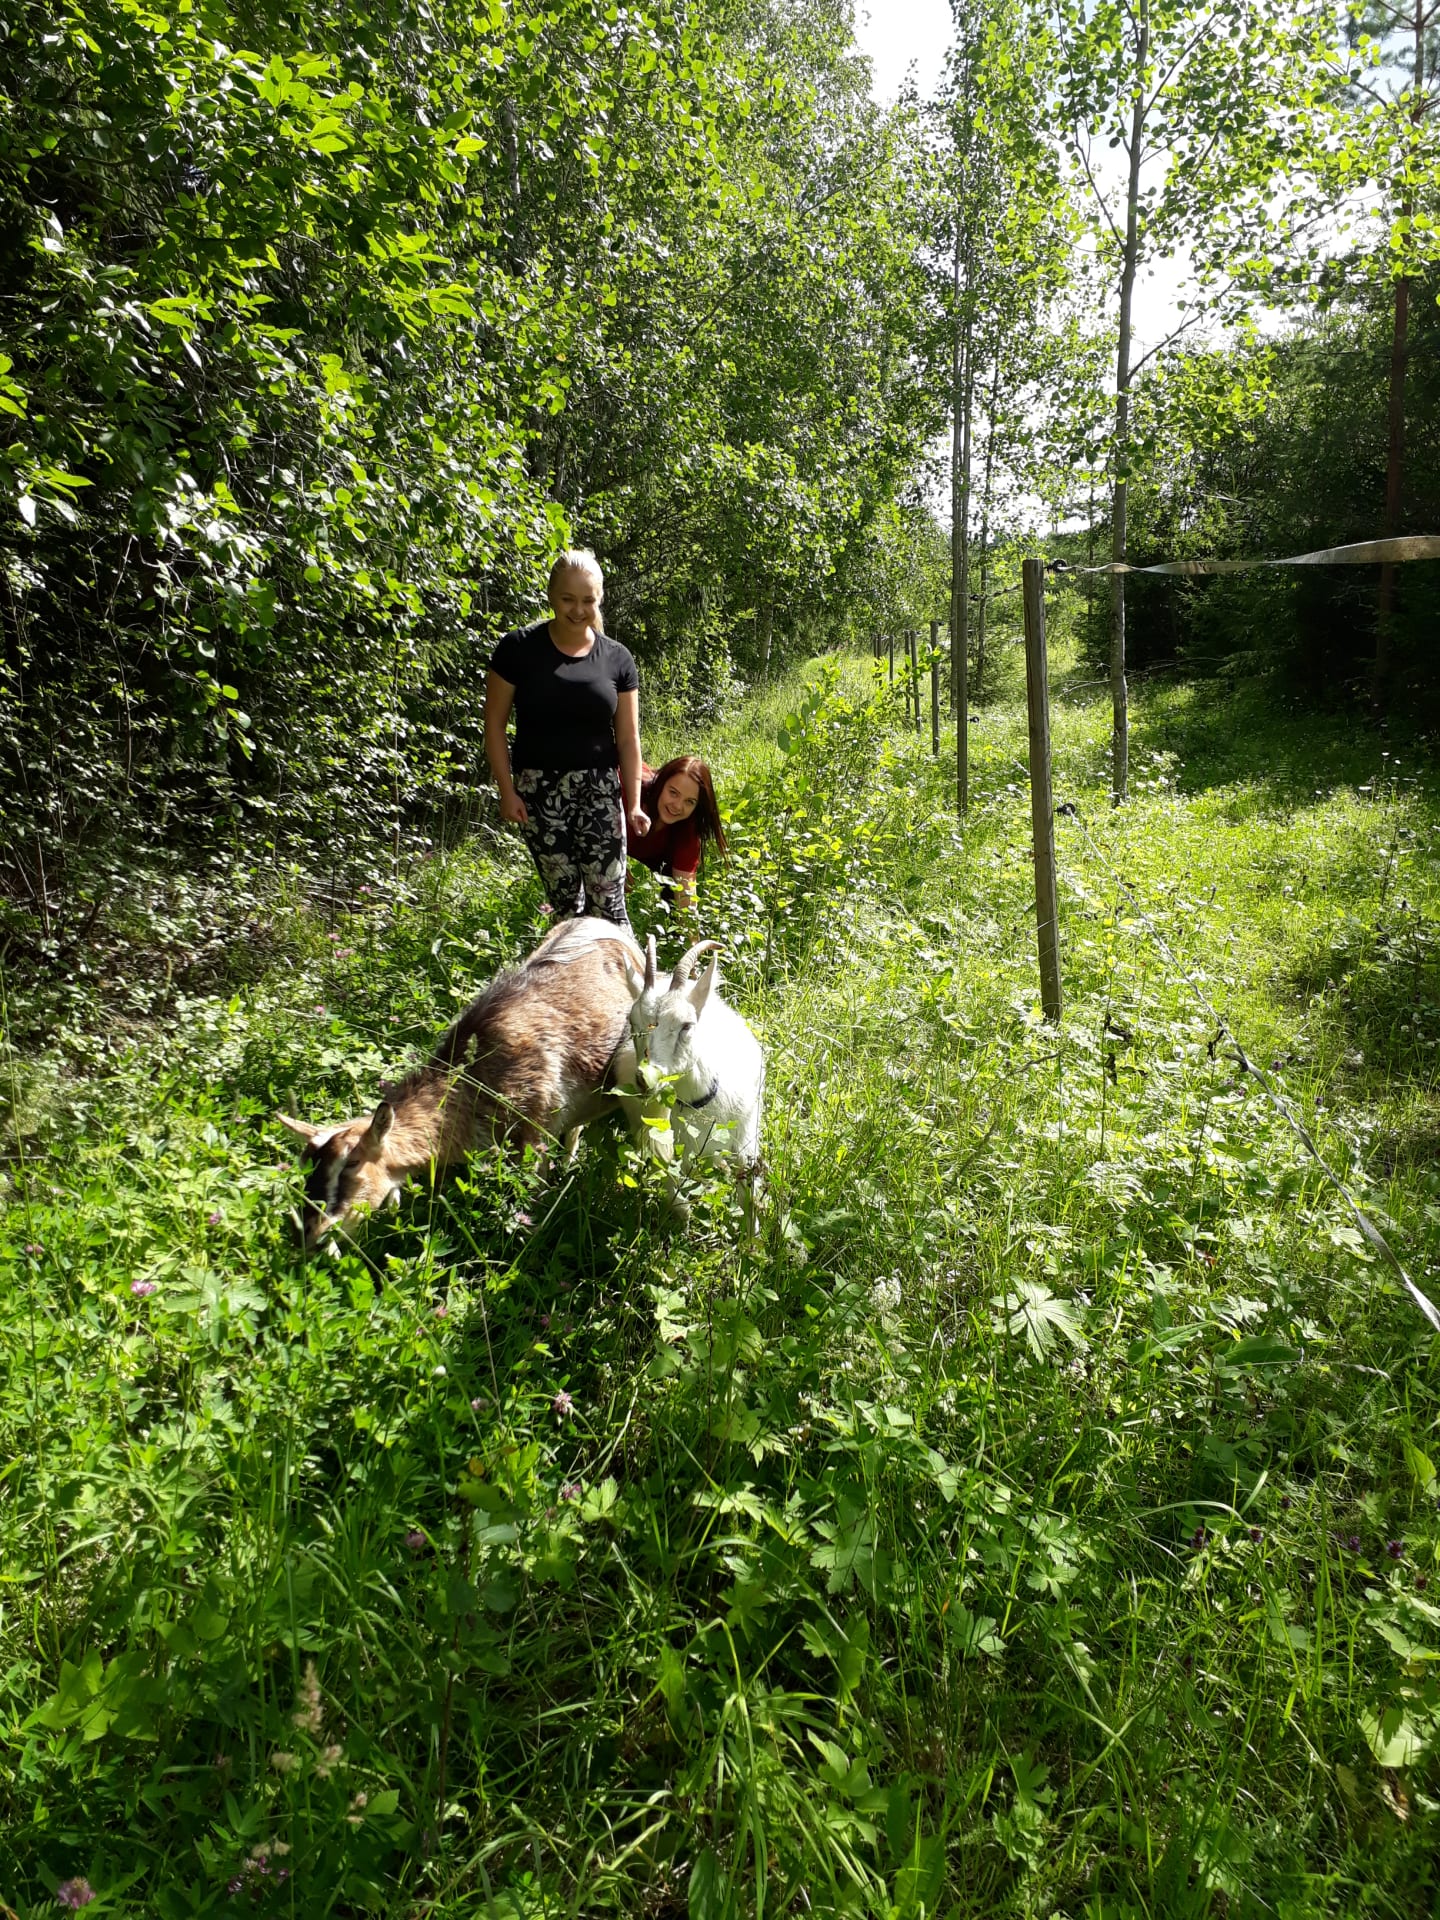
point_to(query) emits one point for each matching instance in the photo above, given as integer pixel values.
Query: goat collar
(705, 1098)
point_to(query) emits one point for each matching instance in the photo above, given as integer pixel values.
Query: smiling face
(575, 595)
(678, 799)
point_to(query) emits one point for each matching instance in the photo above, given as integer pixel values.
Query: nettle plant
(811, 830)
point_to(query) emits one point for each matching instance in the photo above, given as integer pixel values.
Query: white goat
(688, 1036)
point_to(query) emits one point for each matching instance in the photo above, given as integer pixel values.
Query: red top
(665, 849)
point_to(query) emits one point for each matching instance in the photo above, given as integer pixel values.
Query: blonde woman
(571, 780)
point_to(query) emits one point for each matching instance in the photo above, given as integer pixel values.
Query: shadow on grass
(1255, 735)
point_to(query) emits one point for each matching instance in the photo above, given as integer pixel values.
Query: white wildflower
(885, 1294)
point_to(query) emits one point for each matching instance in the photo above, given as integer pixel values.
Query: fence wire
(1360, 553)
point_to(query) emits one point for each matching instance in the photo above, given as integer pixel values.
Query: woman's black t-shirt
(564, 708)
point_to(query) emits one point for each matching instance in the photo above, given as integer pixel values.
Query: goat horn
(650, 964)
(686, 967)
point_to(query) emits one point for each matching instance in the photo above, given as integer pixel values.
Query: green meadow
(1038, 1516)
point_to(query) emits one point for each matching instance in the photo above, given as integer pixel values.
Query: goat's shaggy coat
(524, 1064)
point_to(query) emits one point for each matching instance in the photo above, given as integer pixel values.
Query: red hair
(707, 809)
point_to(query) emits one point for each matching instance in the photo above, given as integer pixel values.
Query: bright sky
(899, 35)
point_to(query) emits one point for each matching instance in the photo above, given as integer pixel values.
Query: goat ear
(650, 963)
(700, 992)
(634, 978)
(313, 1136)
(381, 1122)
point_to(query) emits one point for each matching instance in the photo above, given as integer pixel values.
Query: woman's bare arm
(627, 741)
(499, 699)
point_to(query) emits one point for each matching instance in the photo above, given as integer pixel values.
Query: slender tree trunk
(1399, 354)
(983, 619)
(961, 553)
(962, 388)
(1119, 694)
(959, 626)
(767, 629)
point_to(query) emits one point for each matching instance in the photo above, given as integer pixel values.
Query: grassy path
(1039, 1519)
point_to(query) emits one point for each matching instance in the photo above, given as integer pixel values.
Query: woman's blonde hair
(583, 561)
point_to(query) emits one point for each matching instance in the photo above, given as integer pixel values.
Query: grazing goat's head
(663, 1019)
(349, 1170)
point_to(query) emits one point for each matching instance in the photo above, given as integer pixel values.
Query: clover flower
(142, 1289)
(415, 1540)
(75, 1893)
(215, 1219)
(1352, 1541)
(1395, 1549)
(562, 1403)
(570, 1490)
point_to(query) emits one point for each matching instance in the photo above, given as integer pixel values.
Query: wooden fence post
(935, 688)
(1042, 809)
(914, 639)
(892, 659)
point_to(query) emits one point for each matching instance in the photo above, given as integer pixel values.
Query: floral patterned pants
(576, 837)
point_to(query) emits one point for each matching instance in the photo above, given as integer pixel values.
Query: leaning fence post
(1042, 810)
(935, 688)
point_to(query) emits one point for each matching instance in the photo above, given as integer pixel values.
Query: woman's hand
(639, 822)
(513, 809)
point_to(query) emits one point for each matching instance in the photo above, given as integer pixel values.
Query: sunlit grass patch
(1037, 1516)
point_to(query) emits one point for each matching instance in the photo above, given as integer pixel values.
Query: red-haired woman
(680, 800)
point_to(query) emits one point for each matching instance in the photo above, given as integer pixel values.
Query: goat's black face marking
(329, 1186)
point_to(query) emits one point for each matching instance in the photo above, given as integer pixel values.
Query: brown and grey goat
(524, 1064)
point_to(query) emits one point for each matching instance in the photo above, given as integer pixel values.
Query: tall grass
(1038, 1517)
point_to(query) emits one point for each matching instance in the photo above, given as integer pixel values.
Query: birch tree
(1177, 115)
(1393, 144)
(1003, 223)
